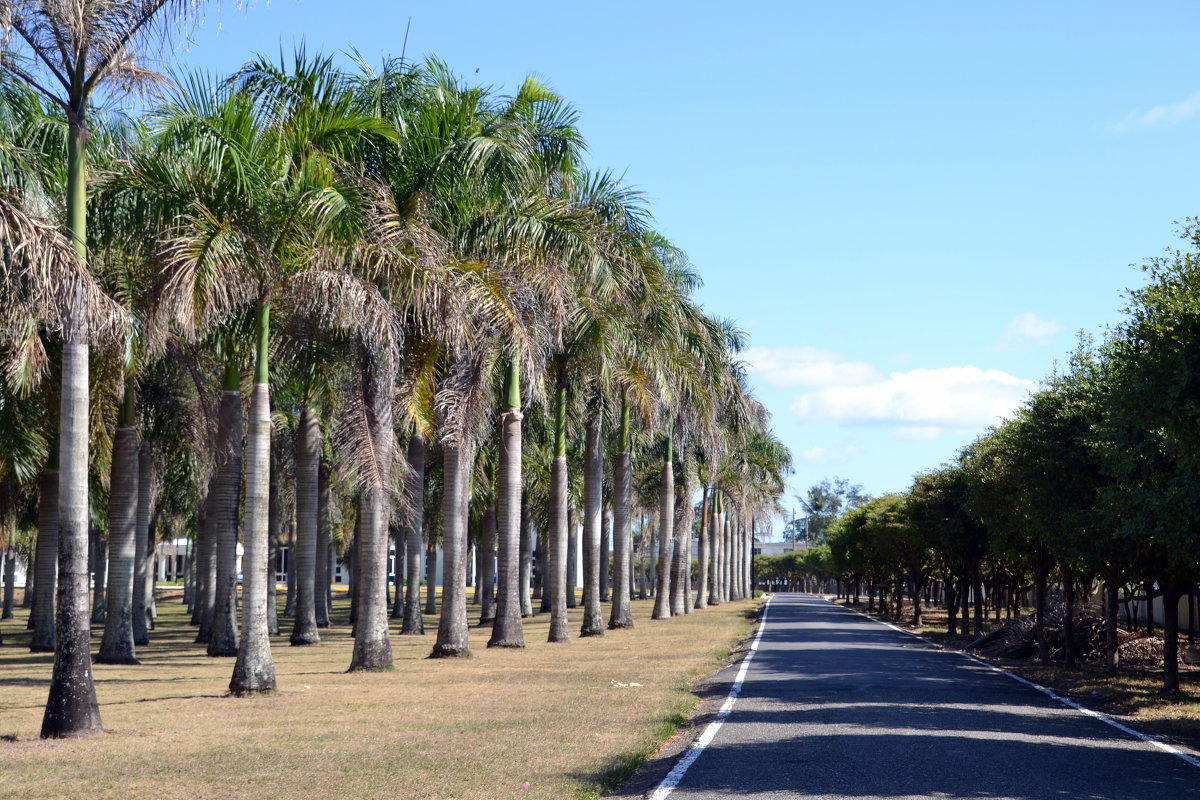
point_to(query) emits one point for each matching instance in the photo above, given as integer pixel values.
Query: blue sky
(912, 208)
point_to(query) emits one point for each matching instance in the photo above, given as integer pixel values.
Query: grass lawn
(550, 721)
(1134, 696)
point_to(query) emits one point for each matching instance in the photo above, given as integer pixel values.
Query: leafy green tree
(1152, 429)
(822, 503)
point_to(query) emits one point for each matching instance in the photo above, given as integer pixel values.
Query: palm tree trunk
(572, 555)
(507, 630)
(452, 637)
(303, 560)
(559, 522)
(143, 574)
(254, 670)
(593, 500)
(431, 570)
(10, 577)
(274, 525)
(372, 647)
(714, 538)
(41, 616)
(223, 641)
(666, 538)
(620, 615)
(414, 623)
(206, 564)
(486, 557)
(726, 553)
(748, 562)
(681, 589)
(735, 560)
(71, 708)
(606, 555)
(100, 569)
(702, 554)
(528, 544)
(323, 561)
(116, 645)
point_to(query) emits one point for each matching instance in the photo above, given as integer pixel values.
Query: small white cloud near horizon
(1029, 328)
(828, 455)
(807, 367)
(948, 397)
(1166, 115)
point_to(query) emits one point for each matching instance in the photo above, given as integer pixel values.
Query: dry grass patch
(554, 717)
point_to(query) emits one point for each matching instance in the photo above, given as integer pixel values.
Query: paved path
(835, 705)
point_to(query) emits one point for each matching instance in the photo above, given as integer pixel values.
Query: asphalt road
(835, 705)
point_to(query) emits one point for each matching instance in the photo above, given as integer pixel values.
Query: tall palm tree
(507, 630)
(77, 51)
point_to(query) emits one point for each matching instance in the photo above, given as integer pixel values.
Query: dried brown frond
(40, 273)
(203, 278)
(335, 299)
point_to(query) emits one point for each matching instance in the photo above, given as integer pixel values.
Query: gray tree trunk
(511, 551)
(556, 572)
(100, 573)
(620, 615)
(714, 538)
(682, 574)
(10, 585)
(572, 556)
(702, 556)
(223, 641)
(431, 570)
(372, 646)
(272, 561)
(666, 541)
(593, 501)
(486, 556)
(143, 566)
(399, 537)
(206, 565)
(414, 623)
(254, 670)
(30, 591)
(41, 617)
(116, 645)
(289, 598)
(452, 636)
(71, 708)
(274, 526)
(303, 557)
(323, 556)
(528, 544)
(606, 554)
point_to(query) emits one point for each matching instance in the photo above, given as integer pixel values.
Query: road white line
(697, 747)
(1066, 701)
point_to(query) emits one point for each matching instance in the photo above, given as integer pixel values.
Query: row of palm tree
(385, 257)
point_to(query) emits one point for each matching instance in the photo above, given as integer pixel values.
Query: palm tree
(78, 50)
(507, 630)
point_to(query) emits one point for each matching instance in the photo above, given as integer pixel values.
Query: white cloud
(1025, 328)
(807, 367)
(1166, 115)
(948, 397)
(828, 455)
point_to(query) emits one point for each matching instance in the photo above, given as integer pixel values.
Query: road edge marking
(1066, 701)
(673, 778)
